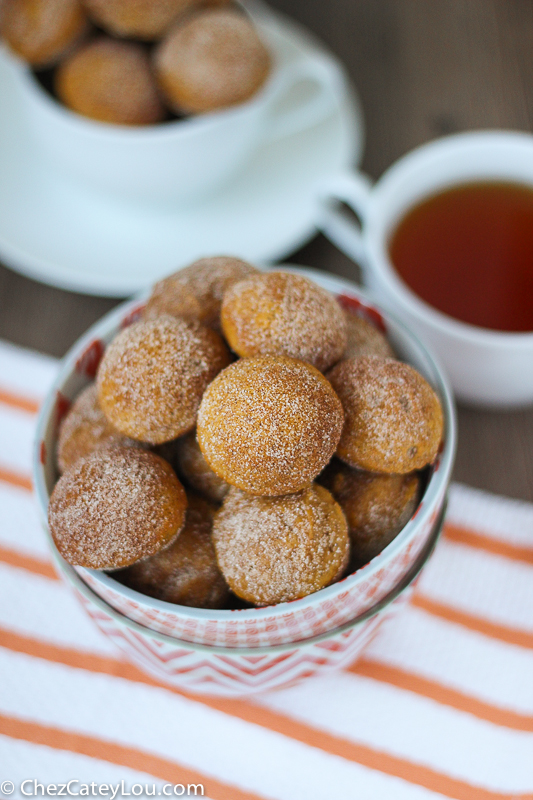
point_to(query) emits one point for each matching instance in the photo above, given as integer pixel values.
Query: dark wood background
(423, 68)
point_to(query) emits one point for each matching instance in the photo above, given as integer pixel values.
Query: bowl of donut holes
(159, 100)
(245, 459)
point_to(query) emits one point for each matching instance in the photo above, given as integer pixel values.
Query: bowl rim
(440, 478)
(71, 577)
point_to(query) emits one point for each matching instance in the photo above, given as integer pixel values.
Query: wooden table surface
(423, 68)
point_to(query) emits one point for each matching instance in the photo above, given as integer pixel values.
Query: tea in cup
(446, 240)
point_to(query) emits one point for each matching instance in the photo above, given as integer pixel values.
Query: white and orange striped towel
(441, 704)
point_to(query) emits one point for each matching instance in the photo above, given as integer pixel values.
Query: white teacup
(183, 160)
(486, 367)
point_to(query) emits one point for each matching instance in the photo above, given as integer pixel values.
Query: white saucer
(59, 233)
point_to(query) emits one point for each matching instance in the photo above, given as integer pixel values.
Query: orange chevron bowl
(284, 623)
(236, 672)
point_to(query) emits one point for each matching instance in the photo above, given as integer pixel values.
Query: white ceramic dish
(486, 367)
(53, 230)
(183, 160)
(286, 622)
(234, 672)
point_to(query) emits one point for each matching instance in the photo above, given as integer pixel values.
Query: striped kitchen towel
(440, 705)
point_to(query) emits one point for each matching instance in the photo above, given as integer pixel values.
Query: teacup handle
(329, 87)
(353, 189)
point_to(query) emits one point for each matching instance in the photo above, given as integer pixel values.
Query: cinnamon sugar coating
(114, 507)
(269, 424)
(364, 339)
(138, 19)
(276, 549)
(110, 81)
(278, 313)
(194, 469)
(211, 59)
(196, 292)
(153, 375)
(376, 507)
(186, 572)
(393, 418)
(84, 429)
(42, 31)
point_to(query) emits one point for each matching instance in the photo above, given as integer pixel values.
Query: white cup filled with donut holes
(157, 100)
(132, 62)
(195, 477)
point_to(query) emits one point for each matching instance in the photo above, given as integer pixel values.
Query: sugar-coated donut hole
(279, 313)
(42, 31)
(153, 375)
(275, 549)
(269, 424)
(376, 506)
(210, 60)
(114, 507)
(190, 464)
(138, 19)
(393, 418)
(364, 339)
(196, 292)
(110, 81)
(84, 429)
